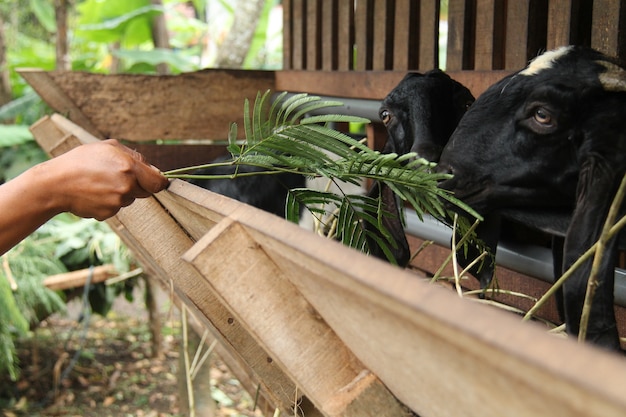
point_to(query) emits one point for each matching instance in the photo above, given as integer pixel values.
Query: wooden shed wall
(402, 35)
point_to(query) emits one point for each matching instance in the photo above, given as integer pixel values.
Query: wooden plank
(489, 35)
(235, 363)
(329, 44)
(288, 41)
(559, 23)
(382, 40)
(53, 138)
(609, 33)
(48, 135)
(45, 84)
(406, 36)
(313, 35)
(517, 34)
(79, 278)
(428, 35)
(421, 340)
(432, 257)
(298, 33)
(537, 31)
(166, 254)
(460, 49)
(372, 85)
(198, 105)
(364, 32)
(345, 35)
(173, 156)
(526, 32)
(71, 128)
(311, 349)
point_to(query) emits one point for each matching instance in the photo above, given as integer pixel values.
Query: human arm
(94, 180)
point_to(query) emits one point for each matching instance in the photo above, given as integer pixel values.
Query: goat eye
(543, 116)
(385, 116)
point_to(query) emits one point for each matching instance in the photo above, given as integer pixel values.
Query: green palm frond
(283, 136)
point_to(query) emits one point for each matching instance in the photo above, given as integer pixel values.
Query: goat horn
(614, 78)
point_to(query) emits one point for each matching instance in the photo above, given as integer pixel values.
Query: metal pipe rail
(529, 260)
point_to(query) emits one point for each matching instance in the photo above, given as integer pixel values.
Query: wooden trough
(341, 334)
(314, 326)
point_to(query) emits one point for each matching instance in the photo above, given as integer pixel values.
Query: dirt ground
(103, 367)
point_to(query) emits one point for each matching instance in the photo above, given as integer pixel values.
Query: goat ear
(596, 188)
(614, 78)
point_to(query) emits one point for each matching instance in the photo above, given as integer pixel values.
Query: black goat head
(420, 114)
(551, 137)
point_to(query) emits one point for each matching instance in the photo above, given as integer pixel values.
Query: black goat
(267, 192)
(420, 114)
(548, 143)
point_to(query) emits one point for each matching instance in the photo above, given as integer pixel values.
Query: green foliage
(284, 137)
(24, 298)
(185, 31)
(129, 24)
(18, 158)
(12, 135)
(63, 244)
(80, 243)
(22, 110)
(146, 61)
(124, 21)
(44, 10)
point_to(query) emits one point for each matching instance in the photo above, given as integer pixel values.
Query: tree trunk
(233, 51)
(160, 37)
(5, 84)
(62, 54)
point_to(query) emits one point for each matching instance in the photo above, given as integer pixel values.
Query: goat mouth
(476, 197)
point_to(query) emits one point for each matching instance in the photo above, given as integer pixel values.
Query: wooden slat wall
(360, 35)
(363, 37)
(428, 24)
(526, 33)
(483, 35)
(610, 19)
(313, 41)
(345, 36)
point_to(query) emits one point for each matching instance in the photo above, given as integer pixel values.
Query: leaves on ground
(114, 374)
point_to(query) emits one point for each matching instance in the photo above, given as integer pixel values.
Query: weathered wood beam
(198, 105)
(437, 353)
(261, 297)
(79, 278)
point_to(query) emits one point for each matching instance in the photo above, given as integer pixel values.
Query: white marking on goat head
(545, 61)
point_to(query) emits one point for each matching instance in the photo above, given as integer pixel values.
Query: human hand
(98, 179)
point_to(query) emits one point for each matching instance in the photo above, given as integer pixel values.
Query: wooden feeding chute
(354, 335)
